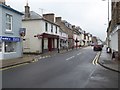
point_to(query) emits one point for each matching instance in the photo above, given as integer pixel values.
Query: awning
(45, 35)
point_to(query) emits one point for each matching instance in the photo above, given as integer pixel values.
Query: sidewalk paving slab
(106, 61)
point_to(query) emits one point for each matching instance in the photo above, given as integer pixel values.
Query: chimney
(2, 2)
(27, 11)
(58, 19)
(49, 16)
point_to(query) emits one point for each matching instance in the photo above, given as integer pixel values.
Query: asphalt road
(73, 69)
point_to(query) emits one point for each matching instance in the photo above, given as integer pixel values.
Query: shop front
(10, 47)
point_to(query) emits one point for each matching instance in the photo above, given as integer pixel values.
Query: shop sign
(22, 32)
(12, 39)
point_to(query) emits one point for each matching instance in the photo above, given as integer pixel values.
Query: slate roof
(33, 15)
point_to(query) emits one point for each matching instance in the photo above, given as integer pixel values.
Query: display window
(10, 47)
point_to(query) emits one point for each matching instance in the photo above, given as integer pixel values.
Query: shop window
(8, 22)
(0, 46)
(10, 46)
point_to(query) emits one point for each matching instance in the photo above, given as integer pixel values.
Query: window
(0, 46)
(46, 26)
(10, 46)
(51, 28)
(8, 22)
(56, 29)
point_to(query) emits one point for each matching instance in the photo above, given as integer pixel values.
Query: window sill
(9, 32)
(9, 52)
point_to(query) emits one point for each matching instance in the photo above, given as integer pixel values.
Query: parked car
(98, 47)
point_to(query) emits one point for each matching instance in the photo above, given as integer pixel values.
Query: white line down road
(70, 58)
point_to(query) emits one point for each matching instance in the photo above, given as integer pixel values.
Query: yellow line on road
(95, 61)
(13, 66)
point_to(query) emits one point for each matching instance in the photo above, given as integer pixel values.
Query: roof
(11, 9)
(33, 15)
(36, 16)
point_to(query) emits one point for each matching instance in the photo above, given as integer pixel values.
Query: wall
(33, 28)
(49, 28)
(119, 44)
(114, 41)
(16, 25)
(0, 20)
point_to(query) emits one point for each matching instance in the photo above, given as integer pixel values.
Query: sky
(90, 15)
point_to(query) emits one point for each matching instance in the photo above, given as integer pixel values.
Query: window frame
(9, 22)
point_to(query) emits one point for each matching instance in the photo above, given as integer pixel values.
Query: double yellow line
(95, 61)
(2, 69)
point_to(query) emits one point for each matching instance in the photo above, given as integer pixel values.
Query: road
(73, 69)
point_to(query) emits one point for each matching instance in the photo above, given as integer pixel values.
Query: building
(113, 32)
(67, 28)
(42, 34)
(10, 40)
(63, 39)
(77, 36)
(94, 40)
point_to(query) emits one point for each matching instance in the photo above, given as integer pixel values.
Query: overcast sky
(90, 15)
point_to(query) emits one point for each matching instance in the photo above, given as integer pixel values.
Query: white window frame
(7, 22)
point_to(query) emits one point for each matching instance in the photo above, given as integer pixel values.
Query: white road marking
(79, 53)
(70, 58)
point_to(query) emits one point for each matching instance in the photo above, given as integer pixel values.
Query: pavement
(106, 61)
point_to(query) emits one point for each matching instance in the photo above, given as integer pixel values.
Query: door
(49, 44)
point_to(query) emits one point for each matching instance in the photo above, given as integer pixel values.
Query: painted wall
(114, 41)
(16, 25)
(33, 28)
(0, 20)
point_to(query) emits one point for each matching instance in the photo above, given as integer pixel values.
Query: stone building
(66, 27)
(113, 32)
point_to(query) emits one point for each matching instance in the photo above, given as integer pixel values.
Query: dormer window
(8, 22)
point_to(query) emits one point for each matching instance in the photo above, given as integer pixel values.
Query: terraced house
(10, 25)
(67, 28)
(42, 34)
